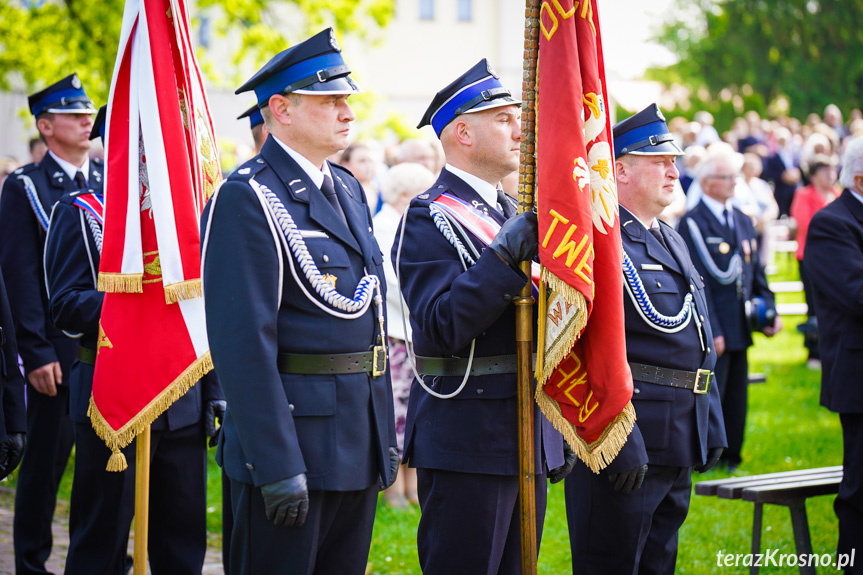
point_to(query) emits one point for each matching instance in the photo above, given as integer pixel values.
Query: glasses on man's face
(724, 177)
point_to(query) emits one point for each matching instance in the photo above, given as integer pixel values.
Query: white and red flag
(162, 165)
(585, 382)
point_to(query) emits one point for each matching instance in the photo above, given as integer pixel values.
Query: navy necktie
(505, 204)
(79, 180)
(329, 192)
(657, 233)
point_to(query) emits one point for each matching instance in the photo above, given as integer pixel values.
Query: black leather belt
(456, 366)
(86, 355)
(373, 362)
(697, 381)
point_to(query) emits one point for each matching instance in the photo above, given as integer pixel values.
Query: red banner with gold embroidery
(585, 383)
(162, 165)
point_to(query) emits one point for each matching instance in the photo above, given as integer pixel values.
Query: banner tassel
(117, 461)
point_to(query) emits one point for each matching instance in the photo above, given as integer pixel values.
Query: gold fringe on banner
(189, 289)
(600, 453)
(116, 440)
(120, 283)
(559, 349)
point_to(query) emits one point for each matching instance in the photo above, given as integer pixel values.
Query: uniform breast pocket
(312, 401)
(327, 253)
(657, 282)
(653, 412)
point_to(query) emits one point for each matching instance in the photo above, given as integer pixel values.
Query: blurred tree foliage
(44, 40)
(773, 56)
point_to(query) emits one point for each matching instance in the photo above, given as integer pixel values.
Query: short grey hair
(852, 163)
(406, 180)
(718, 152)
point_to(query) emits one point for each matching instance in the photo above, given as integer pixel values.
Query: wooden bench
(788, 488)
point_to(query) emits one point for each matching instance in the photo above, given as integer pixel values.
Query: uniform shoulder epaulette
(98, 161)
(342, 168)
(248, 170)
(26, 169)
(430, 195)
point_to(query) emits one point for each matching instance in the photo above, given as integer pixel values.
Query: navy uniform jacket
(475, 431)
(727, 305)
(13, 417)
(22, 239)
(336, 429)
(71, 268)
(676, 427)
(834, 262)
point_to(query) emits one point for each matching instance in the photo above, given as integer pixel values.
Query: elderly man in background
(723, 244)
(834, 262)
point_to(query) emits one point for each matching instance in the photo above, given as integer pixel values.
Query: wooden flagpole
(142, 500)
(524, 301)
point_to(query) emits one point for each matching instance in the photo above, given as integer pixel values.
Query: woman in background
(401, 184)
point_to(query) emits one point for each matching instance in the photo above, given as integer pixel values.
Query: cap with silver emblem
(477, 89)
(314, 67)
(64, 97)
(644, 134)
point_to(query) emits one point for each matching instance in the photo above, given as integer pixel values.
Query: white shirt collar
(72, 169)
(856, 195)
(717, 207)
(486, 191)
(315, 173)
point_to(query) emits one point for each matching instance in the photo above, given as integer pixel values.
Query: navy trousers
(334, 539)
(612, 533)
(732, 373)
(470, 522)
(849, 502)
(49, 443)
(101, 508)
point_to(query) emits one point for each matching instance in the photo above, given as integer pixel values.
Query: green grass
(786, 429)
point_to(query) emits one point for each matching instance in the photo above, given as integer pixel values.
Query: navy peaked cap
(644, 134)
(314, 66)
(64, 97)
(254, 116)
(477, 89)
(99, 123)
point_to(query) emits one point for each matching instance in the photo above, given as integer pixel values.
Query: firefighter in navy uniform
(464, 444)
(293, 287)
(63, 114)
(626, 519)
(102, 503)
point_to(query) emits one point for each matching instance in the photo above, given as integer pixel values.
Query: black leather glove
(628, 481)
(559, 473)
(395, 461)
(11, 451)
(287, 501)
(214, 409)
(518, 239)
(713, 455)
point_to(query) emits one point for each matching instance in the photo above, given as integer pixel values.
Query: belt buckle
(379, 360)
(702, 380)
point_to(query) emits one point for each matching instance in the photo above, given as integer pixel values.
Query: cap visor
(336, 86)
(663, 149)
(74, 108)
(496, 103)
